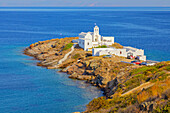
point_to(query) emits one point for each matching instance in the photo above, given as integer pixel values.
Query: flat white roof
(84, 39)
(128, 48)
(85, 33)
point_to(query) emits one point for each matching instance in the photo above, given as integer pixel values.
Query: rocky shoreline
(114, 77)
(98, 71)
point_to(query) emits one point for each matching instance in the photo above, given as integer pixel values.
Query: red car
(139, 62)
(136, 62)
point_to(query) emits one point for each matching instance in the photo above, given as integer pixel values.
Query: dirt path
(144, 85)
(61, 60)
(66, 55)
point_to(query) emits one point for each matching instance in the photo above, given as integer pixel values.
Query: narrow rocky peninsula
(126, 87)
(80, 64)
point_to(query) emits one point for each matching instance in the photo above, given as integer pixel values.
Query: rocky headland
(124, 85)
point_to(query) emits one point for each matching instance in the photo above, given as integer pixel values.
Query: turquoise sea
(26, 88)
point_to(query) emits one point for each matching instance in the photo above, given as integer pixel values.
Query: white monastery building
(93, 39)
(125, 52)
(90, 40)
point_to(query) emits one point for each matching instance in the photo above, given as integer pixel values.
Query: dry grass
(117, 46)
(143, 96)
(155, 90)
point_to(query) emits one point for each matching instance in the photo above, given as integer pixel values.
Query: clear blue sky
(83, 3)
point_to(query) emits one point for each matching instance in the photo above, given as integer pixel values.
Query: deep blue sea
(26, 88)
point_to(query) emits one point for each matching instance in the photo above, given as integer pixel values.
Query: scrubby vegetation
(146, 74)
(103, 46)
(117, 46)
(112, 104)
(98, 103)
(155, 98)
(158, 95)
(50, 51)
(68, 46)
(76, 56)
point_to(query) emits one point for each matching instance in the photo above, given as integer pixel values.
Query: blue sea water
(26, 88)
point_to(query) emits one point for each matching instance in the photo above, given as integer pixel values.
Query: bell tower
(96, 34)
(96, 30)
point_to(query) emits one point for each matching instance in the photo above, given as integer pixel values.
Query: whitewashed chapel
(93, 39)
(90, 40)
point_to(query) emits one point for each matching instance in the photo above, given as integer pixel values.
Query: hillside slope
(127, 87)
(154, 98)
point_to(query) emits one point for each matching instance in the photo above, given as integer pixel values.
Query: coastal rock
(89, 72)
(84, 77)
(94, 64)
(74, 75)
(70, 70)
(147, 106)
(87, 63)
(80, 77)
(97, 81)
(80, 71)
(80, 65)
(111, 87)
(30, 52)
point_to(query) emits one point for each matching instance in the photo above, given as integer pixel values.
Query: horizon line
(84, 6)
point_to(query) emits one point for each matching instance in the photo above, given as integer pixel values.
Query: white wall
(81, 43)
(87, 44)
(118, 52)
(75, 41)
(143, 57)
(95, 51)
(107, 40)
(137, 52)
(95, 44)
(88, 36)
(108, 51)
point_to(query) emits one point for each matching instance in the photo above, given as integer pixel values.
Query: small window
(88, 43)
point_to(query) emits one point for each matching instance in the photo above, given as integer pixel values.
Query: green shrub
(139, 70)
(124, 101)
(163, 77)
(103, 46)
(139, 75)
(163, 108)
(98, 103)
(76, 56)
(135, 81)
(132, 83)
(144, 70)
(154, 80)
(168, 68)
(68, 46)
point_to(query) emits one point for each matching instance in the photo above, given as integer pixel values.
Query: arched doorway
(130, 55)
